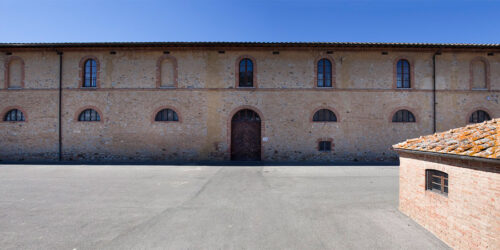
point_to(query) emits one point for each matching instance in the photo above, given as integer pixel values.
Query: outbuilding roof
(475, 140)
(253, 44)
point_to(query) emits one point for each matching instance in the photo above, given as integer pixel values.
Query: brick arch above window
(155, 112)
(311, 118)
(159, 64)
(473, 111)
(486, 76)
(415, 115)
(10, 108)
(395, 72)
(332, 61)
(237, 72)
(8, 74)
(80, 110)
(81, 71)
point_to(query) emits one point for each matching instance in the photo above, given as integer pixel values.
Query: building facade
(287, 102)
(449, 183)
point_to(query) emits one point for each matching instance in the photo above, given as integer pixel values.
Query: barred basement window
(246, 73)
(436, 181)
(403, 74)
(479, 116)
(325, 146)
(324, 115)
(89, 115)
(90, 73)
(403, 116)
(14, 115)
(166, 115)
(324, 73)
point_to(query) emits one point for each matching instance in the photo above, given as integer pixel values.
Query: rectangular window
(436, 181)
(325, 146)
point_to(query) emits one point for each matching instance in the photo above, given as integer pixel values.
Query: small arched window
(166, 115)
(14, 115)
(89, 115)
(479, 116)
(324, 73)
(403, 116)
(403, 74)
(246, 73)
(324, 115)
(90, 73)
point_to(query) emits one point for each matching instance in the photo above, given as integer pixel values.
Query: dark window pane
(89, 115)
(166, 115)
(403, 116)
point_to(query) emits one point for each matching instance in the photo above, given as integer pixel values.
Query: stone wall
(468, 218)
(363, 98)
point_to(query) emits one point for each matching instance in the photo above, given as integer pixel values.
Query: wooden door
(245, 136)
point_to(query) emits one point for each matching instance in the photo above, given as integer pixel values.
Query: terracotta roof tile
(476, 140)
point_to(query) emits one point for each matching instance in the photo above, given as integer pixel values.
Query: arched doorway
(245, 136)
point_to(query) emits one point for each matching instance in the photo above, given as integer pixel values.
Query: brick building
(208, 101)
(450, 184)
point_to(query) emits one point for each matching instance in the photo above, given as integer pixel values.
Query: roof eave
(461, 157)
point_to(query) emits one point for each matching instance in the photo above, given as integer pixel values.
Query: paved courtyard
(205, 207)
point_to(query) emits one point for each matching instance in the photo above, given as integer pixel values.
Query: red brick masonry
(469, 217)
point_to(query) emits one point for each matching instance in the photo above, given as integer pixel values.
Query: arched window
(90, 73)
(324, 73)
(15, 73)
(246, 73)
(403, 116)
(14, 115)
(324, 115)
(479, 116)
(89, 115)
(403, 74)
(478, 74)
(166, 115)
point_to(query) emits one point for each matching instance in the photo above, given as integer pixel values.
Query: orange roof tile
(475, 140)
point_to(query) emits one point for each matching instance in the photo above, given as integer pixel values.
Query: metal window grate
(89, 115)
(436, 181)
(166, 115)
(90, 74)
(403, 116)
(324, 73)
(479, 116)
(14, 115)
(325, 146)
(403, 74)
(324, 115)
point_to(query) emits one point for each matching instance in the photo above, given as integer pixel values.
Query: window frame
(246, 59)
(410, 112)
(324, 108)
(175, 114)
(17, 109)
(325, 145)
(411, 71)
(81, 110)
(332, 71)
(443, 179)
(83, 71)
(469, 118)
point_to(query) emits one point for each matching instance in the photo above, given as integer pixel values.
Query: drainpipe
(434, 90)
(60, 103)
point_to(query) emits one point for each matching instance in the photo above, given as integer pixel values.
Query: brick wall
(469, 217)
(363, 99)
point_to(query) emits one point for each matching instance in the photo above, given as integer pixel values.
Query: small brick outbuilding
(450, 184)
